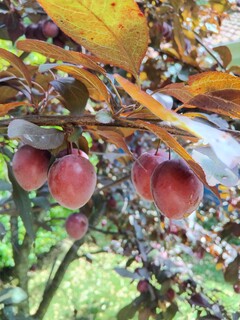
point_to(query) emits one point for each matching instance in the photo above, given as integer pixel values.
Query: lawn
(94, 291)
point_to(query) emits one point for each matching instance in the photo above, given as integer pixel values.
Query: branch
(50, 290)
(105, 231)
(89, 121)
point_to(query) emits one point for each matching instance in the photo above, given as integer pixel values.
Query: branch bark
(51, 289)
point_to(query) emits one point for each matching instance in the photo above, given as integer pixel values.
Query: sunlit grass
(94, 291)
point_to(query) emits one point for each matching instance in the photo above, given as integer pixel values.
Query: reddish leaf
(116, 137)
(4, 108)
(216, 104)
(57, 53)
(114, 30)
(17, 63)
(175, 146)
(200, 300)
(225, 54)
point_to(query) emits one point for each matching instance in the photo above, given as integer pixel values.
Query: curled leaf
(34, 135)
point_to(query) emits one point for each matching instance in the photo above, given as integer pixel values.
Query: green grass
(97, 292)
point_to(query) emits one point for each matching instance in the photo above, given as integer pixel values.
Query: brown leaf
(225, 54)
(219, 105)
(172, 143)
(178, 34)
(116, 137)
(17, 63)
(57, 53)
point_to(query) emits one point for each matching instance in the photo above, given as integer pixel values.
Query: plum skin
(176, 190)
(142, 170)
(72, 180)
(76, 225)
(30, 167)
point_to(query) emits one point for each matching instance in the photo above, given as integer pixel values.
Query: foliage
(99, 84)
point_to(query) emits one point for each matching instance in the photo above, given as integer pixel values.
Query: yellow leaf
(211, 81)
(114, 30)
(95, 86)
(57, 53)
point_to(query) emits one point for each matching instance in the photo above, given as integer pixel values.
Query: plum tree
(30, 166)
(142, 170)
(72, 180)
(76, 225)
(176, 190)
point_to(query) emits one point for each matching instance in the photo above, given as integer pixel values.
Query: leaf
(17, 63)
(224, 145)
(232, 270)
(178, 91)
(4, 108)
(114, 30)
(219, 105)
(216, 172)
(7, 93)
(73, 92)
(225, 54)
(115, 137)
(97, 89)
(198, 299)
(171, 311)
(23, 204)
(178, 34)
(12, 295)
(230, 229)
(148, 101)
(104, 116)
(57, 53)
(129, 311)
(211, 81)
(127, 274)
(34, 135)
(175, 146)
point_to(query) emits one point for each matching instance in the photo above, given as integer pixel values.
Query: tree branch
(89, 121)
(51, 289)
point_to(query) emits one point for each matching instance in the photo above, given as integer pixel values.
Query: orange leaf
(4, 108)
(57, 53)
(175, 146)
(211, 81)
(17, 63)
(95, 86)
(148, 101)
(114, 30)
(116, 137)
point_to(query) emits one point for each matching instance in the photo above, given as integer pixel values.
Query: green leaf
(23, 204)
(74, 94)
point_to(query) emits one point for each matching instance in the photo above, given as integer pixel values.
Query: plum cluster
(71, 180)
(171, 184)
